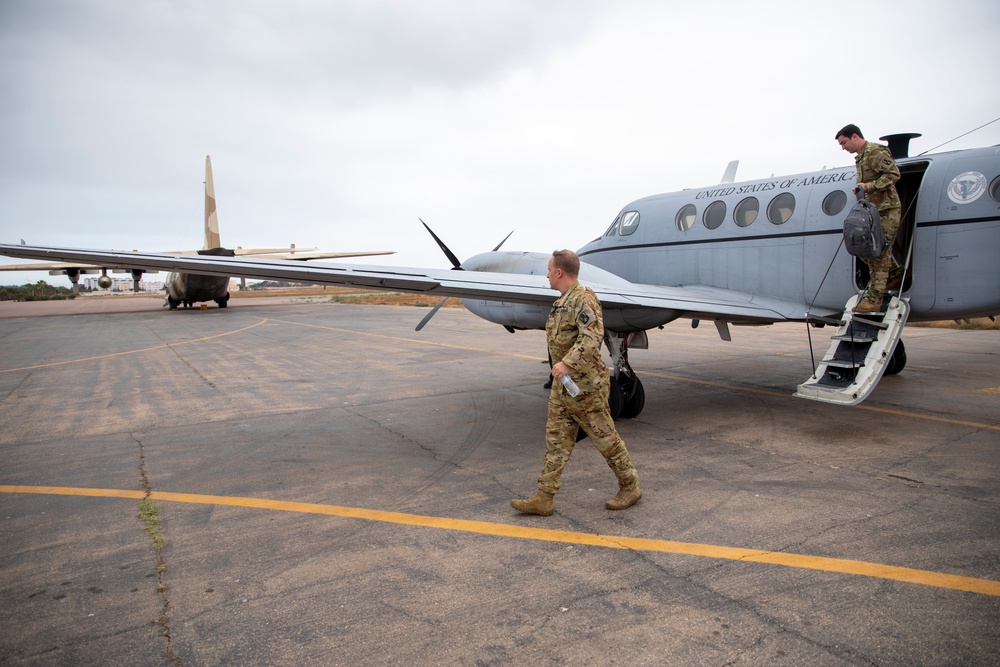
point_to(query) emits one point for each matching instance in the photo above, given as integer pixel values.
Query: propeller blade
(504, 241)
(428, 316)
(455, 264)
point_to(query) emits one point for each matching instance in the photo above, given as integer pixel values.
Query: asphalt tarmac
(330, 487)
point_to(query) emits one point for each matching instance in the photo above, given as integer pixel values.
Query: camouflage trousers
(590, 412)
(882, 266)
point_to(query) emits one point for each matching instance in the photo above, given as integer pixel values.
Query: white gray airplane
(737, 253)
(186, 289)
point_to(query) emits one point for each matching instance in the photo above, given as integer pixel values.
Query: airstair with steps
(859, 354)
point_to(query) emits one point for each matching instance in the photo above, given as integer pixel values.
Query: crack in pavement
(148, 514)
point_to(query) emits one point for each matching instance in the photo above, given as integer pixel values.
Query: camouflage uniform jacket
(878, 171)
(574, 332)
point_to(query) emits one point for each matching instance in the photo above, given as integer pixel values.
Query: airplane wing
(272, 253)
(52, 266)
(614, 292)
(309, 256)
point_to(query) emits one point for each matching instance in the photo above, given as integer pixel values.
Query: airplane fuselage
(190, 288)
(776, 237)
(779, 239)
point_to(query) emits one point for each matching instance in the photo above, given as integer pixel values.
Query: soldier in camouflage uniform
(575, 332)
(877, 176)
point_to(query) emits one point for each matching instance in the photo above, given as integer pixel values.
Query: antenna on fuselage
(959, 137)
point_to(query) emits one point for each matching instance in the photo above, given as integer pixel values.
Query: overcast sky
(337, 123)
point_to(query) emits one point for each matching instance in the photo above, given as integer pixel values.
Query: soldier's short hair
(568, 261)
(849, 131)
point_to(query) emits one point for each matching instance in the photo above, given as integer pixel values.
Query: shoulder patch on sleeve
(585, 316)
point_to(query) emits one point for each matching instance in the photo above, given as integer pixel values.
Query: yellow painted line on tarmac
(802, 561)
(127, 352)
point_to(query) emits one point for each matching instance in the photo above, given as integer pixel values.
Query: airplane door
(908, 188)
(911, 178)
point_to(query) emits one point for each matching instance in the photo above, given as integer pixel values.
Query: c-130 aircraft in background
(736, 253)
(186, 289)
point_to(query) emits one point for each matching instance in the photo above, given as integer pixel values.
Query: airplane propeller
(455, 266)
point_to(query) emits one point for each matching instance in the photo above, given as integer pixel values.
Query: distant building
(121, 285)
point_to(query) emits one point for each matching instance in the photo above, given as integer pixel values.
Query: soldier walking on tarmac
(574, 332)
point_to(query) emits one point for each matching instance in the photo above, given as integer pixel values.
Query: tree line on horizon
(40, 291)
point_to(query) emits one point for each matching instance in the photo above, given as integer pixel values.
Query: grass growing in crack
(150, 516)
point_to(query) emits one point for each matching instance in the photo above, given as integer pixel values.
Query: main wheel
(897, 361)
(635, 399)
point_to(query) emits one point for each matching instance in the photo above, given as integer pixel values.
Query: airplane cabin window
(686, 217)
(995, 189)
(714, 215)
(781, 208)
(834, 202)
(746, 212)
(630, 220)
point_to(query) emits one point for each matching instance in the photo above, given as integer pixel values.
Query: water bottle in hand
(571, 387)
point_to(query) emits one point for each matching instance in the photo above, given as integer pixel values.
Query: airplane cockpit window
(781, 208)
(834, 202)
(613, 229)
(746, 212)
(686, 217)
(714, 215)
(629, 223)
(995, 189)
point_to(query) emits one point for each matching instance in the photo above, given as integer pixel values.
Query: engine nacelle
(530, 316)
(104, 282)
(516, 315)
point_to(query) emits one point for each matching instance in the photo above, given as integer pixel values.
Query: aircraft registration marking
(785, 559)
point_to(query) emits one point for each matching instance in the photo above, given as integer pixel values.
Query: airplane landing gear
(897, 361)
(635, 398)
(628, 397)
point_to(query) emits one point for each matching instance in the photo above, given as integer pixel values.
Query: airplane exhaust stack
(899, 144)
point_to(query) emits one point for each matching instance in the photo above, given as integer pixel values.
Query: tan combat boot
(867, 306)
(540, 504)
(626, 498)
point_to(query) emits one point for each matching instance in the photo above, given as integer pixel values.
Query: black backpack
(863, 235)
